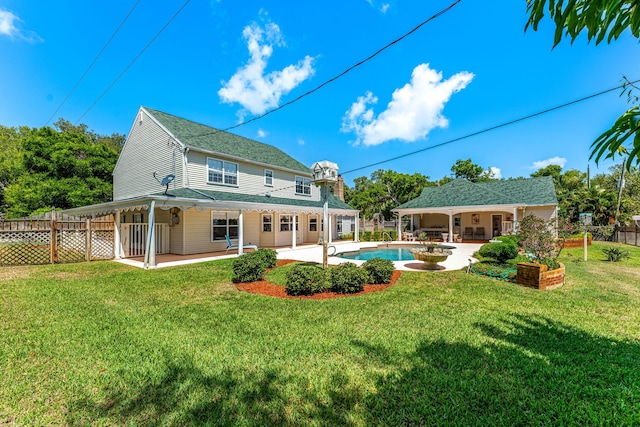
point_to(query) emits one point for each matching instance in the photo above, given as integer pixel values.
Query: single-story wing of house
(180, 187)
(461, 210)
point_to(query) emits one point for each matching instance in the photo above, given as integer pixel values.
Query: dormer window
(221, 172)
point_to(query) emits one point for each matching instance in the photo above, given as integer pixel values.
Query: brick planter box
(578, 242)
(539, 276)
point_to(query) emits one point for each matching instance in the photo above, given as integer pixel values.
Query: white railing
(507, 227)
(134, 238)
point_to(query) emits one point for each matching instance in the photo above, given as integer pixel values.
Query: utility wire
(548, 110)
(93, 62)
(331, 80)
(492, 128)
(133, 61)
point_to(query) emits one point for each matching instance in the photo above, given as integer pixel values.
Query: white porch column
(411, 222)
(515, 219)
(293, 231)
(117, 244)
(240, 233)
(150, 250)
(331, 221)
(399, 228)
(356, 236)
(450, 226)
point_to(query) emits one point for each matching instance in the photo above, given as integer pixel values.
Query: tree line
(63, 167)
(577, 193)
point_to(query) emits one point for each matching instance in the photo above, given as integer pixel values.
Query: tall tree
(10, 159)
(470, 171)
(602, 20)
(62, 168)
(385, 190)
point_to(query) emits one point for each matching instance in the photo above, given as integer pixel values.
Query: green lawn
(105, 344)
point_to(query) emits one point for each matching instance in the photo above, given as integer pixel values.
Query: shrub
(365, 236)
(347, 278)
(509, 238)
(379, 270)
(305, 279)
(248, 267)
(377, 236)
(267, 257)
(501, 252)
(615, 254)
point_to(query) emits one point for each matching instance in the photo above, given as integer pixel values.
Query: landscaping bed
(264, 287)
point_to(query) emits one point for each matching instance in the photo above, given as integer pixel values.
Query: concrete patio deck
(313, 253)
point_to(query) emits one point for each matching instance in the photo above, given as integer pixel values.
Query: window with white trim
(303, 185)
(339, 225)
(267, 220)
(224, 223)
(286, 221)
(221, 172)
(313, 224)
(268, 178)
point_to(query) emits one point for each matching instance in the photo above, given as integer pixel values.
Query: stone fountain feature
(431, 255)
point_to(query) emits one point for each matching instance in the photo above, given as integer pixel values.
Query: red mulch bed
(265, 288)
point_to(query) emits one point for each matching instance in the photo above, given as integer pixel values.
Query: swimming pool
(392, 253)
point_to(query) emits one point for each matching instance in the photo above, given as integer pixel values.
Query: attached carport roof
(186, 198)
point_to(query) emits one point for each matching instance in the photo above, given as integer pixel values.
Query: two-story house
(180, 187)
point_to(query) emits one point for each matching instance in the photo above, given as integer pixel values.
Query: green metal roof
(224, 196)
(460, 192)
(198, 136)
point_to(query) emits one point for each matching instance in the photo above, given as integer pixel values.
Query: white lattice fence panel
(102, 244)
(71, 245)
(25, 247)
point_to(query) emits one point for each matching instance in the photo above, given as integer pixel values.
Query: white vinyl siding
(148, 149)
(250, 178)
(222, 172)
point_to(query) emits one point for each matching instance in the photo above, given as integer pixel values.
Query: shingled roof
(226, 196)
(460, 192)
(201, 137)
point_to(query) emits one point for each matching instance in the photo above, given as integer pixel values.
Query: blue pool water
(392, 253)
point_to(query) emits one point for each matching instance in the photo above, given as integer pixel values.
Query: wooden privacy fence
(629, 235)
(55, 238)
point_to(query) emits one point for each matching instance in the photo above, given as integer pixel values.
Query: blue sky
(220, 62)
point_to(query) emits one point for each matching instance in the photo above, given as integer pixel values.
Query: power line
(548, 110)
(133, 61)
(73, 89)
(331, 80)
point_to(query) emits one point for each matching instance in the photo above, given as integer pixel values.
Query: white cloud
(8, 27)
(415, 109)
(382, 7)
(560, 161)
(300, 141)
(495, 172)
(262, 133)
(250, 86)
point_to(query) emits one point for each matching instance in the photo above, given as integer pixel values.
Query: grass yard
(105, 344)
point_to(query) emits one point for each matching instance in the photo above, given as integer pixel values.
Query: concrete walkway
(313, 253)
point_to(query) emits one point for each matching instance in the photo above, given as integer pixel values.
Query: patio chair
(468, 233)
(479, 233)
(232, 246)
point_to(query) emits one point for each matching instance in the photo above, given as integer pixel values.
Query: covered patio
(464, 211)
